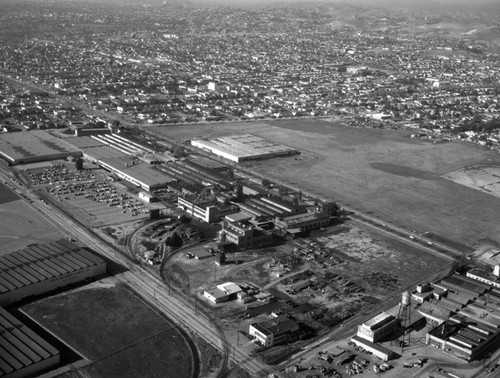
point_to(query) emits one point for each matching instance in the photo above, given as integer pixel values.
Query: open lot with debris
(320, 280)
(383, 171)
(121, 335)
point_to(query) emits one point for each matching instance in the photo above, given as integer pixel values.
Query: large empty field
(120, 335)
(21, 225)
(377, 170)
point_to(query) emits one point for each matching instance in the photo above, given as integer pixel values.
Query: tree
(178, 151)
(174, 240)
(266, 183)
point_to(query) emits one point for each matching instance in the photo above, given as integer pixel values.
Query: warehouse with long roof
(41, 268)
(33, 146)
(245, 147)
(22, 352)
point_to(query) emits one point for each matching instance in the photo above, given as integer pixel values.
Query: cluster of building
(33, 271)
(461, 311)
(206, 189)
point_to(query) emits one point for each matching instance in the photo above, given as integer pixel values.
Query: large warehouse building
(22, 352)
(245, 147)
(120, 157)
(34, 146)
(41, 268)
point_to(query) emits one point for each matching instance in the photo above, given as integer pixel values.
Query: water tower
(404, 319)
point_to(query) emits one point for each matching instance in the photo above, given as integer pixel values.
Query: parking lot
(57, 174)
(87, 194)
(97, 203)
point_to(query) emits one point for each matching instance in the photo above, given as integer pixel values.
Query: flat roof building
(378, 350)
(34, 146)
(127, 167)
(209, 213)
(275, 331)
(246, 236)
(222, 293)
(239, 148)
(22, 352)
(378, 327)
(304, 221)
(41, 268)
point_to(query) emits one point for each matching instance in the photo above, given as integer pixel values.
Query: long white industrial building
(245, 147)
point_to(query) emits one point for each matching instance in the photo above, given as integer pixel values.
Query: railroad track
(151, 289)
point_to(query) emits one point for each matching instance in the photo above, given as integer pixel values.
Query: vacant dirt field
(20, 225)
(121, 336)
(377, 170)
(486, 179)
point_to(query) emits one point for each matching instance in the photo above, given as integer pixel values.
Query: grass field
(381, 171)
(123, 337)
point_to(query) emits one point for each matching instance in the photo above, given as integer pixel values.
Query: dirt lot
(345, 269)
(123, 337)
(383, 171)
(486, 179)
(7, 195)
(22, 225)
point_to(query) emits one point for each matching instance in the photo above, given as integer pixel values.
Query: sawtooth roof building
(22, 352)
(41, 268)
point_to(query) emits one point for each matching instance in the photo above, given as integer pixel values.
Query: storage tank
(406, 299)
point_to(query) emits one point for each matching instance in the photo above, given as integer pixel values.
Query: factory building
(127, 167)
(464, 312)
(378, 350)
(34, 146)
(275, 331)
(22, 352)
(378, 327)
(303, 222)
(41, 268)
(239, 148)
(207, 212)
(246, 236)
(488, 277)
(222, 293)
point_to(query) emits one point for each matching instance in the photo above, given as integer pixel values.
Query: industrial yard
(321, 280)
(253, 244)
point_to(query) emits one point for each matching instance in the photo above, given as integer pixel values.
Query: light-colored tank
(406, 299)
(149, 255)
